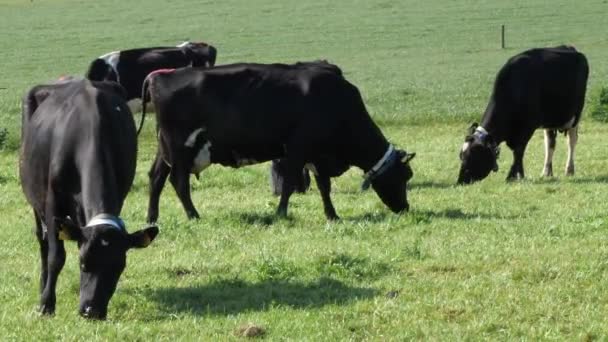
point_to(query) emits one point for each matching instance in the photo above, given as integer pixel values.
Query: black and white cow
(78, 155)
(542, 87)
(130, 67)
(241, 114)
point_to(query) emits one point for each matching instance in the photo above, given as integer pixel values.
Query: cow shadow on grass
(260, 219)
(229, 297)
(431, 185)
(458, 214)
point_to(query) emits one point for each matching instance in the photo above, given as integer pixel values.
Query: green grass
(490, 261)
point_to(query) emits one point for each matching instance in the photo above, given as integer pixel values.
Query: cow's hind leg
(158, 176)
(572, 139)
(180, 179)
(41, 233)
(55, 260)
(550, 137)
(293, 170)
(324, 185)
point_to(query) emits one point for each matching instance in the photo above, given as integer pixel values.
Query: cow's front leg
(158, 176)
(180, 179)
(572, 139)
(324, 185)
(550, 137)
(55, 262)
(517, 169)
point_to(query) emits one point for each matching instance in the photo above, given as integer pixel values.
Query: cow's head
(479, 155)
(200, 54)
(103, 246)
(389, 179)
(100, 70)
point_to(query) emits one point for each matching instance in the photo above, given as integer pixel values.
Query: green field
(493, 261)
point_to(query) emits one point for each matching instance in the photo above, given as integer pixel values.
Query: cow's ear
(143, 238)
(407, 157)
(472, 129)
(67, 229)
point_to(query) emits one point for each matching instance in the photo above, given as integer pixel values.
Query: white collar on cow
(378, 168)
(482, 132)
(107, 219)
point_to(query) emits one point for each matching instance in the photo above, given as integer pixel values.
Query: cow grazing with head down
(536, 88)
(130, 67)
(78, 155)
(241, 114)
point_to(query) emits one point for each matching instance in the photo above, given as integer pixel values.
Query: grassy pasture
(490, 261)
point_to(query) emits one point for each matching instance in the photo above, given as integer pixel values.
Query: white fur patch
(466, 146)
(192, 137)
(202, 159)
(182, 44)
(312, 168)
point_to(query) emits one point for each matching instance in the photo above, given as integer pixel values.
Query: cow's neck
(494, 122)
(369, 148)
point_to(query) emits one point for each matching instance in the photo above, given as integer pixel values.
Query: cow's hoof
(570, 171)
(333, 217)
(47, 310)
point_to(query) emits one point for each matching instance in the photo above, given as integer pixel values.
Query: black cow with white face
(241, 114)
(130, 67)
(542, 87)
(78, 155)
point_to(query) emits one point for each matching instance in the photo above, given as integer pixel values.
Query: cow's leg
(517, 169)
(293, 170)
(324, 185)
(158, 176)
(180, 179)
(55, 260)
(572, 139)
(44, 251)
(550, 137)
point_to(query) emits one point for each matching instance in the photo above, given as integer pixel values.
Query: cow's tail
(145, 97)
(145, 93)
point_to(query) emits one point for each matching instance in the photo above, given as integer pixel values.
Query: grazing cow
(242, 114)
(130, 67)
(78, 154)
(536, 88)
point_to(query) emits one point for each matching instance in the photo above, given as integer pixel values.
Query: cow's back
(68, 129)
(543, 87)
(252, 102)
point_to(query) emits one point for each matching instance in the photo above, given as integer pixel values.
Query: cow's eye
(105, 243)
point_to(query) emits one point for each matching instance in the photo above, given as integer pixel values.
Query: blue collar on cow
(381, 166)
(107, 219)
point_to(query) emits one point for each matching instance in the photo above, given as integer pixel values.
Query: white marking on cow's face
(312, 168)
(202, 159)
(192, 137)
